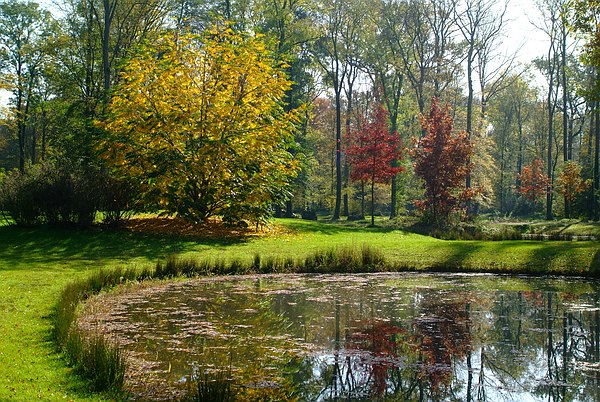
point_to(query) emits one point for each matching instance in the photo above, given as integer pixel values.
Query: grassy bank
(36, 264)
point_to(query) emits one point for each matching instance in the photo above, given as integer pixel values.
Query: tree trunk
(502, 167)
(392, 105)
(565, 113)
(289, 210)
(109, 11)
(28, 97)
(20, 118)
(469, 102)
(372, 201)
(345, 207)
(44, 129)
(520, 156)
(595, 195)
(338, 154)
(394, 131)
(551, 105)
(362, 198)
(549, 170)
(590, 158)
(348, 117)
(21, 135)
(394, 194)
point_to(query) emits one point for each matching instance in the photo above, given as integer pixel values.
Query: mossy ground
(35, 264)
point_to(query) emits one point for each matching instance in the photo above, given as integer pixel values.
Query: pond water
(398, 337)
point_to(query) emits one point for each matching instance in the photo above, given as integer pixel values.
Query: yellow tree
(199, 122)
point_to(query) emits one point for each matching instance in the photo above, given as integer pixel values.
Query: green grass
(566, 227)
(36, 264)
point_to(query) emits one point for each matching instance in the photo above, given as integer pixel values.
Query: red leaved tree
(440, 159)
(371, 151)
(535, 183)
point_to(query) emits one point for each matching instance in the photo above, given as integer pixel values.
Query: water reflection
(404, 337)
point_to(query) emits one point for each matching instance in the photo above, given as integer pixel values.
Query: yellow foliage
(200, 121)
(484, 170)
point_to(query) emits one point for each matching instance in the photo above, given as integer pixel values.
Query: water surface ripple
(401, 336)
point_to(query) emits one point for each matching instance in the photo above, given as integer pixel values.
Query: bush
(54, 192)
(309, 214)
(118, 202)
(64, 193)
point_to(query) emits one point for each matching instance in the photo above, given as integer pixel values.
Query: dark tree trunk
(565, 112)
(345, 207)
(469, 103)
(520, 156)
(109, 12)
(338, 154)
(44, 129)
(596, 198)
(373, 202)
(289, 210)
(362, 198)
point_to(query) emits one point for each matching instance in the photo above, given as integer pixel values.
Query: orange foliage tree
(534, 182)
(440, 160)
(570, 183)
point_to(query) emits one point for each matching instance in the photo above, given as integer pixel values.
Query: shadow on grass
(595, 265)
(520, 257)
(28, 245)
(456, 260)
(329, 227)
(562, 258)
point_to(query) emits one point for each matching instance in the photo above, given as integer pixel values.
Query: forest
(244, 109)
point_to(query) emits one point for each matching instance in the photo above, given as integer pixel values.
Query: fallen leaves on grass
(212, 229)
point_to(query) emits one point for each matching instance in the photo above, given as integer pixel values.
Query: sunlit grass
(36, 264)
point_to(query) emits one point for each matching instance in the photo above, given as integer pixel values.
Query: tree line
(245, 108)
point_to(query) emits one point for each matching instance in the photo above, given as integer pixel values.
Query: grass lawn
(35, 264)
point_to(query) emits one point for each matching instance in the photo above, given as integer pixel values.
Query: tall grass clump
(177, 267)
(212, 387)
(91, 355)
(97, 359)
(346, 259)
(340, 260)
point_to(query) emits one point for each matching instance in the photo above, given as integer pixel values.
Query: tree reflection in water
(404, 337)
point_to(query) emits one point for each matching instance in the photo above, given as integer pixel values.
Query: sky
(521, 31)
(521, 35)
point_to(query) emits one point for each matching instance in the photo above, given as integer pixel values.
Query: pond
(400, 336)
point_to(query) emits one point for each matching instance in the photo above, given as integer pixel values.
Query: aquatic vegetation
(356, 336)
(102, 362)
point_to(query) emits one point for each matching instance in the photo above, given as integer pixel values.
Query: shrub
(118, 200)
(349, 259)
(62, 192)
(52, 192)
(309, 214)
